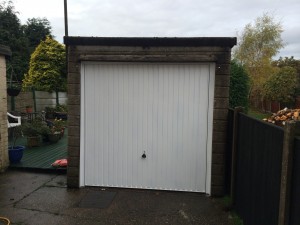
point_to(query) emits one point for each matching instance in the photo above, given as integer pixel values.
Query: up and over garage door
(147, 125)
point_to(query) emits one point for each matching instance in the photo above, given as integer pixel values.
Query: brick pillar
(4, 51)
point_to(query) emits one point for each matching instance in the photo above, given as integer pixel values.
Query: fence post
(34, 98)
(291, 129)
(237, 110)
(12, 103)
(57, 98)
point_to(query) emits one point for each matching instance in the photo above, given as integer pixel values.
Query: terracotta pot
(29, 109)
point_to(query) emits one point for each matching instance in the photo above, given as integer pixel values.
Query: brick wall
(218, 54)
(3, 116)
(21, 101)
(220, 123)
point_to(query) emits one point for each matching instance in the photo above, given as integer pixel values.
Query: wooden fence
(263, 189)
(44, 99)
(273, 106)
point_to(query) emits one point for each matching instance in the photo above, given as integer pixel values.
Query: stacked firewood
(284, 115)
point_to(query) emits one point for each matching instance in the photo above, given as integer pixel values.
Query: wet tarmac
(29, 198)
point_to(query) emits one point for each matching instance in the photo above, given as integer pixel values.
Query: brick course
(4, 51)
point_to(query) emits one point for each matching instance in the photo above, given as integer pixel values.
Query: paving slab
(15, 185)
(46, 200)
(58, 181)
(54, 200)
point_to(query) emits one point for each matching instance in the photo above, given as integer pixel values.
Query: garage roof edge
(152, 41)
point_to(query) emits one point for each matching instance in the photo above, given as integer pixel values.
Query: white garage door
(146, 125)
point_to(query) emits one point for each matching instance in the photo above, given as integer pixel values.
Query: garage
(147, 125)
(148, 113)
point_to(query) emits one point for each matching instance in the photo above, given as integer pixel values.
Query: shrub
(282, 86)
(47, 70)
(239, 86)
(61, 108)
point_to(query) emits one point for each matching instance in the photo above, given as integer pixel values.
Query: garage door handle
(144, 155)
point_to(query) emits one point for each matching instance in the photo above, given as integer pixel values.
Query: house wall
(219, 55)
(4, 51)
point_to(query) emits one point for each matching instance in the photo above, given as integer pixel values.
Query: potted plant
(45, 132)
(33, 130)
(61, 112)
(15, 152)
(52, 131)
(13, 85)
(59, 126)
(50, 112)
(13, 89)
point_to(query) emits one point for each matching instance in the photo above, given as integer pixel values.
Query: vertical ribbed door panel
(156, 111)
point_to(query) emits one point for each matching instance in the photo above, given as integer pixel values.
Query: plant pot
(33, 141)
(13, 91)
(45, 138)
(49, 115)
(15, 153)
(53, 138)
(29, 110)
(61, 115)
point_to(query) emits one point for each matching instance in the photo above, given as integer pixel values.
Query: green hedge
(239, 86)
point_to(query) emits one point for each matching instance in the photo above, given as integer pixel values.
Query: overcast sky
(164, 18)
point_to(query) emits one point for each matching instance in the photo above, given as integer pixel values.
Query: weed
(228, 206)
(227, 203)
(236, 220)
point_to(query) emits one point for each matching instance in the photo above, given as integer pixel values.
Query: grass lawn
(258, 115)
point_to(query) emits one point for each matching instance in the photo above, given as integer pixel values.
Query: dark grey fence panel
(229, 151)
(258, 173)
(295, 192)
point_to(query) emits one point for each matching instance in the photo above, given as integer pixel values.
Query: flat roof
(152, 41)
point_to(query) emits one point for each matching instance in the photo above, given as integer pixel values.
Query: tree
(282, 85)
(287, 61)
(256, 47)
(47, 67)
(11, 34)
(239, 86)
(36, 30)
(22, 39)
(291, 62)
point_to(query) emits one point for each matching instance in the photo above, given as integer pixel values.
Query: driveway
(28, 198)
